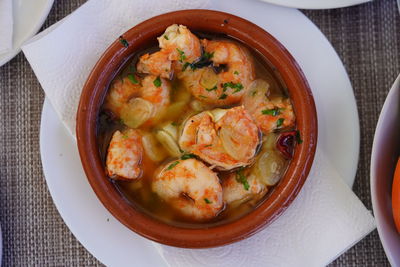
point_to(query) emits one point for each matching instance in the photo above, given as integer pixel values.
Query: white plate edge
(313, 6)
(377, 213)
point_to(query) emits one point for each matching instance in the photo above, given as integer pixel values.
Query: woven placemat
(367, 39)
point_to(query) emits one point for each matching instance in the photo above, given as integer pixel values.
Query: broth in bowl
(197, 130)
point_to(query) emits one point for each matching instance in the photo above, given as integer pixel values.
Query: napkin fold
(6, 26)
(323, 221)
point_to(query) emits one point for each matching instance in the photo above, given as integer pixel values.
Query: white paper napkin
(326, 218)
(323, 221)
(63, 55)
(6, 25)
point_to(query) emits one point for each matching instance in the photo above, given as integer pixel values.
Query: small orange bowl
(213, 22)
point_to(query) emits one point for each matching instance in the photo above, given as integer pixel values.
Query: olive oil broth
(139, 192)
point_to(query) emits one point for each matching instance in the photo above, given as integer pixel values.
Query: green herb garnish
(236, 72)
(202, 96)
(185, 66)
(125, 136)
(123, 41)
(182, 56)
(211, 89)
(166, 37)
(298, 137)
(204, 61)
(208, 145)
(157, 82)
(172, 165)
(279, 122)
(188, 156)
(133, 79)
(272, 112)
(174, 123)
(223, 96)
(241, 178)
(207, 55)
(207, 201)
(237, 86)
(254, 93)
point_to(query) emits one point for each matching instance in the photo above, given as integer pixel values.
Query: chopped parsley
(207, 201)
(202, 62)
(125, 136)
(279, 122)
(211, 89)
(172, 165)
(208, 145)
(157, 82)
(188, 156)
(236, 72)
(185, 66)
(254, 93)
(133, 79)
(223, 96)
(202, 96)
(166, 37)
(207, 55)
(123, 41)
(182, 56)
(241, 178)
(237, 86)
(298, 137)
(272, 112)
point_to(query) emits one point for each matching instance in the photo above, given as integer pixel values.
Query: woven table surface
(367, 39)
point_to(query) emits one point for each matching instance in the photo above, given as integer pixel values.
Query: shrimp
(241, 186)
(269, 113)
(124, 155)
(137, 102)
(191, 188)
(225, 138)
(178, 44)
(229, 85)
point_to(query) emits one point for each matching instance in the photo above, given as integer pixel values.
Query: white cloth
(324, 220)
(6, 26)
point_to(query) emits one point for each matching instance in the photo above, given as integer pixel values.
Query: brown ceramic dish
(205, 21)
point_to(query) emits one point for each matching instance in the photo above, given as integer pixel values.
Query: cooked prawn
(191, 188)
(178, 44)
(229, 85)
(225, 138)
(124, 155)
(139, 101)
(269, 112)
(241, 186)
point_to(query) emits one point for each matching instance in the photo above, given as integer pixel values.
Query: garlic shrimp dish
(196, 130)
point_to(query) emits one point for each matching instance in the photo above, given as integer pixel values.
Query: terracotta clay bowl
(205, 21)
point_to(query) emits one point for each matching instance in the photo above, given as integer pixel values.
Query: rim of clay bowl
(282, 194)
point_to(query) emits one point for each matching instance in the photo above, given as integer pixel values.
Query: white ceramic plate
(316, 4)
(115, 245)
(29, 16)
(385, 152)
